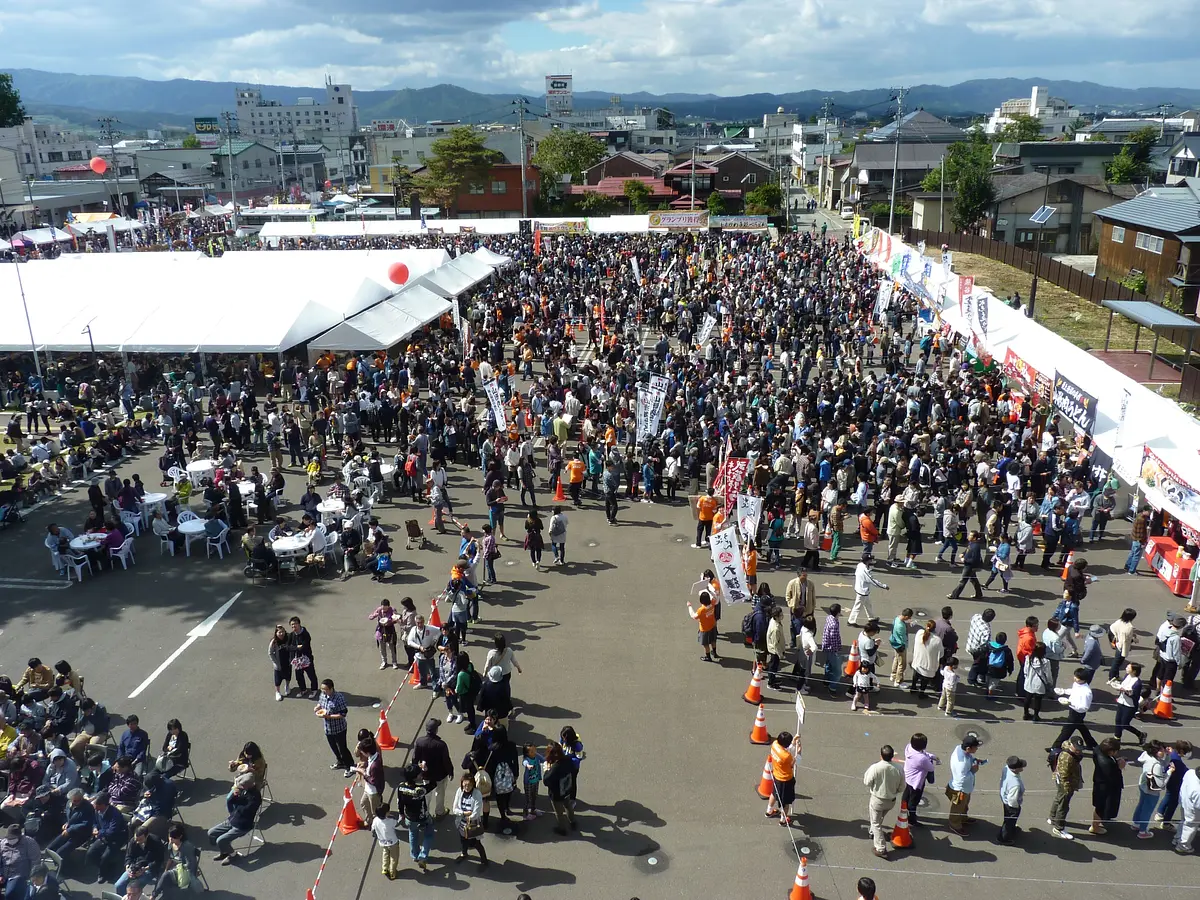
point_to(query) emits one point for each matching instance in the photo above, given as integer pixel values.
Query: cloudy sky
(697, 46)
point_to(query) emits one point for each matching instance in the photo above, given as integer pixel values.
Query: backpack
(996, 658)
(748, 628)
(474, 684)
(1052, 758)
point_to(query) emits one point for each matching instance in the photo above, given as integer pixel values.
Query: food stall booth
(1171, 548)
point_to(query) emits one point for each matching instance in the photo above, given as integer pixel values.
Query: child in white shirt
(949, 685)
(865, 684)
(383, 826)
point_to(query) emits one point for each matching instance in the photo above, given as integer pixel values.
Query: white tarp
(184, 302)
(387, 324)
(1150, 419)
(451, 279)
(101, 227)
(473, 268)
(43, 235)
(5, 245)
(273, 231)
(495, 260)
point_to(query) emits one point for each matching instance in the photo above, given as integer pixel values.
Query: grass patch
(1068, 315)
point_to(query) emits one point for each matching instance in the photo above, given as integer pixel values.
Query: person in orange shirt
(706, 620)
(750, 564)
(785, 750)
(575, 473)
(867, 530)
(706, 508)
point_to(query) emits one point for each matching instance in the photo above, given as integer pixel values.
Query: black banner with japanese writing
(1074, 403)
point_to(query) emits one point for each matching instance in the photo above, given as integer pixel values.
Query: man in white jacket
(1189, 807)
(861, 611)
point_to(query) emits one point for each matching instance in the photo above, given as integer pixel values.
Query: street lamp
(178, 207)
(28, 324)
(1040, 217)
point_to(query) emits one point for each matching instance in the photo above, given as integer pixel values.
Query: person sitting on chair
(242, 804)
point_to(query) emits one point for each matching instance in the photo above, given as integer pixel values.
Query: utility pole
(942, 198)
(1037, 263)
(896, 157)
(228, 117)
(825, 103)
(693, 206)
(1162, 118)
(106, 128)
(519, 104)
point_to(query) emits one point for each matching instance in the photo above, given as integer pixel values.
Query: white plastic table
(291, 545)
(199, 470)
(191, 529)
(86, 543)
(152, 502)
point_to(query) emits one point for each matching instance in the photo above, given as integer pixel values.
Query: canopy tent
(495, 260)
(385, 325)
(1159, 320)
(44, 235)
(473, 268)
(101, 226)
(451, 279)
(352, 227)
(82, 218)
(5, 245)
(208, 211)
(188, 302)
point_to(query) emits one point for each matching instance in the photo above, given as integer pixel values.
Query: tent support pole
(1137, 333)
(1108, 334)
(1153, 354)
(1188, 356)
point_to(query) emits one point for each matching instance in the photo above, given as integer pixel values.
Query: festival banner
(749, 511)
(738, 223)
(727, 564)
(710, 322)
(981, 313)
(731, 478)
(573, 226)
(966, 288)
(1161, 478)
(644, 402)
(678, 220)
(1074, 403)
(637, 272)
(492, 389)
(1031, 382)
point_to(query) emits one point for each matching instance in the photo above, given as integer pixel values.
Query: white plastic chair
(56, 560)
(124, 553)
(187, 516)
(176, 474)
(76, 563)
(133, 520)
(165, 543)
(219, 542)
(363, 483)
(278, 500)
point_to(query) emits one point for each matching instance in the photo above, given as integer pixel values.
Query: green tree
(402, 177)
(12, 113)
(1125, 168)
(456, 160)
(595, 203)
(974, 195)
(563, 152)
(191, 142)
(766, 199)
(638, 195)
(1142, 141)
(1022, 128)
(716, 204)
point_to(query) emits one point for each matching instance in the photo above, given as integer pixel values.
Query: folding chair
(54, 863)
(267, 796)
(254, 834)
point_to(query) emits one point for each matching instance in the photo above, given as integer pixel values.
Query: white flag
(749, 511)
(710, 322)
(727, 563)
(492, 389)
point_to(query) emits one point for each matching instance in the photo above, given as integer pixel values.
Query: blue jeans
(833, 669)
(489, 569)
(144, 880)
(1135, 555)
(420, 839)
(1144, 809)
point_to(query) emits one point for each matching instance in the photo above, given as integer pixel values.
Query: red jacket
(1026, 638)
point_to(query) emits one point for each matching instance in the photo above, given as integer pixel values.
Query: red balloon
(328, 183)
(398, 273)
(98, 165)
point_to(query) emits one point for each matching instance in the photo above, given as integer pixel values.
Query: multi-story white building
(335, 117)
(409, 148)
(41, 150)
(774, 138)
(811, 145)
(1057, 117)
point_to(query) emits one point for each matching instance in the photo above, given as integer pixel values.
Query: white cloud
(701, 46)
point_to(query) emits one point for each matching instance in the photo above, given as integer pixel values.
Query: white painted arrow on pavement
(204, 629)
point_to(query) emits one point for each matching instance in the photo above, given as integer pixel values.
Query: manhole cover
(591, 543)
(652, 861)
(982, 734)
(680, 540)
(511, 562)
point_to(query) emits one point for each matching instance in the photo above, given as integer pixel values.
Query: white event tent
(187, 302)
(495, 260)
(386, 324)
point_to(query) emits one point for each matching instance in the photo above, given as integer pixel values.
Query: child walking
(949, 685)
(531, 765)
(865, 684)
(383, 826)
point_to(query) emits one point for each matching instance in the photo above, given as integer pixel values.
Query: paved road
(667, 791)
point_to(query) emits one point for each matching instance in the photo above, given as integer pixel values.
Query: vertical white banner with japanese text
(492, 389)
(727, 563)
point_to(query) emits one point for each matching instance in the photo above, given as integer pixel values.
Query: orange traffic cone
(415, 678)
(559, 496)
(435, 617)
(758, 734)
(1067, 564)
(349, 821)
(754, 692)
(855, 660)
(766, 784)
(432, 518)
(383, 737)
(1165, 709)
(901, 836)
(801, 890)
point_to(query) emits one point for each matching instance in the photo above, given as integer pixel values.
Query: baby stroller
(10, 515)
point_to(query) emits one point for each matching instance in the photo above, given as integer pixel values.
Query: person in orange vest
(706, 508)
(706, 619)
(784, 751)
(575, 473)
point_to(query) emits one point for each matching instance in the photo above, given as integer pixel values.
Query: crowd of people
(860, 426)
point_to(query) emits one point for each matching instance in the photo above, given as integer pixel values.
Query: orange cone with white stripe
(559, 496)
(435, 617)
(1067, 563)
(1165, 708)
(384, 736)
(349, 822)
(415, 677)
(758, 734)
(754, 692)
(801, 890)
(766, 784)
(855, 660)
(901, 836)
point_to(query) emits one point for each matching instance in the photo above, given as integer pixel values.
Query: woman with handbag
(468, 812)
(491, 553)
(300, 643)
(1039, 681)
(180, 874)
(533, 538)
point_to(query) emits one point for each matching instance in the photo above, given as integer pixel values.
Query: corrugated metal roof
(1173, 210)
(1150, 315)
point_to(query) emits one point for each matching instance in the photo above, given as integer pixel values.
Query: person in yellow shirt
(575, 473)
(706, 508)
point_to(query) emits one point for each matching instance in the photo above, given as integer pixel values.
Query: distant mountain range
(140, 103)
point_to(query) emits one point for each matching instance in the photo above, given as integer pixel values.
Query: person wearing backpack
(999, 662)
(1064, 759)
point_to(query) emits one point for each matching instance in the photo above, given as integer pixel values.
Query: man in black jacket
(972, 560)
(143, 860)
(242, 805)
(81, 819)
(432, 755)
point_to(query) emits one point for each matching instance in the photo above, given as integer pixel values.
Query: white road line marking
(202, 630)
(23, 584)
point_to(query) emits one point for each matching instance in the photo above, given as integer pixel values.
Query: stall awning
(473, 268)
(1150, 315)
(495, 260)
(451, 279)
(386, 324)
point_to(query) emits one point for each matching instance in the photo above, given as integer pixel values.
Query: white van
(847, 211)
